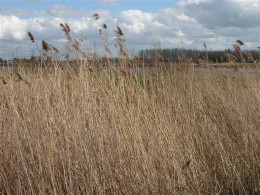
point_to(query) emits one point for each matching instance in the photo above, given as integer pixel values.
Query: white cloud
(12, 27)
(188, 24)
(223, 13)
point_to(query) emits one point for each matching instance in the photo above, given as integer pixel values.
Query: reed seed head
(45, 46)
(119, 31)
(240, 42)
(31, 37)
(96, 16)
(104, 26)
(66, 30)
(67, 26)
(205, 45)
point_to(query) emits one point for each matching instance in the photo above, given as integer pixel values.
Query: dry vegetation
(164, 131)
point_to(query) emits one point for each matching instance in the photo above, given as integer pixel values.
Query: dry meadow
(173, 132)
(164, 130)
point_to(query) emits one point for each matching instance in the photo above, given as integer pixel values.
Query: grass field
(92, 126)
(164, 132)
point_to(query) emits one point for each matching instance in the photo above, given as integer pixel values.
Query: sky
(111, 5)
(146, 23)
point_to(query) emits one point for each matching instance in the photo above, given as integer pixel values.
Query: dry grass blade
(68, 49)
(124, 72)
(249, 56)
(19, 77)
(107, 49)
(55, 49)
(187, 165)
(76, 45)
(3, 80)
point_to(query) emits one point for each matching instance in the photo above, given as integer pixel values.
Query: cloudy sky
(146, 23)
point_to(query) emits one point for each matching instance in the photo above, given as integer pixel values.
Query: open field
(171, 131)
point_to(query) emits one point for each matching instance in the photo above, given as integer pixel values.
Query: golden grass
(188, 132)
(87, 126)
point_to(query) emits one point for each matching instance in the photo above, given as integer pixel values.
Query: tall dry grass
(86, 126)
(173, 132)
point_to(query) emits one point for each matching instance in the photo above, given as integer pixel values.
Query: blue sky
(144, 5)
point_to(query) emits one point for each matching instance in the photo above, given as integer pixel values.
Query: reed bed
(99, 127)
(174, 132)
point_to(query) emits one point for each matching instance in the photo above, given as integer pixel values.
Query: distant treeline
(184, 54)
(174, 55)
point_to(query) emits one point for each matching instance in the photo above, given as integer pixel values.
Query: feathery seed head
(31, 37)
(96, 16)
(45, 46)
(240, 42)
(104, 26)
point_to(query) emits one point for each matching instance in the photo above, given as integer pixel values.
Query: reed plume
(31, 37)
(207, 55)
(249, 56)
(240, 42)
(67, 26)
(205, 46)
(104, 37)
(238, 51)
(96, 16)
(66, 30)
(119, 32)
(45, 46)
(33, 40)
(120, 42)
(104, 26)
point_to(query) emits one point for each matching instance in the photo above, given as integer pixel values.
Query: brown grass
(82, 128)
(193, 132)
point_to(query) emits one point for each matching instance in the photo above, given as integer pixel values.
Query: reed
(160, 133)
(114, 130)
